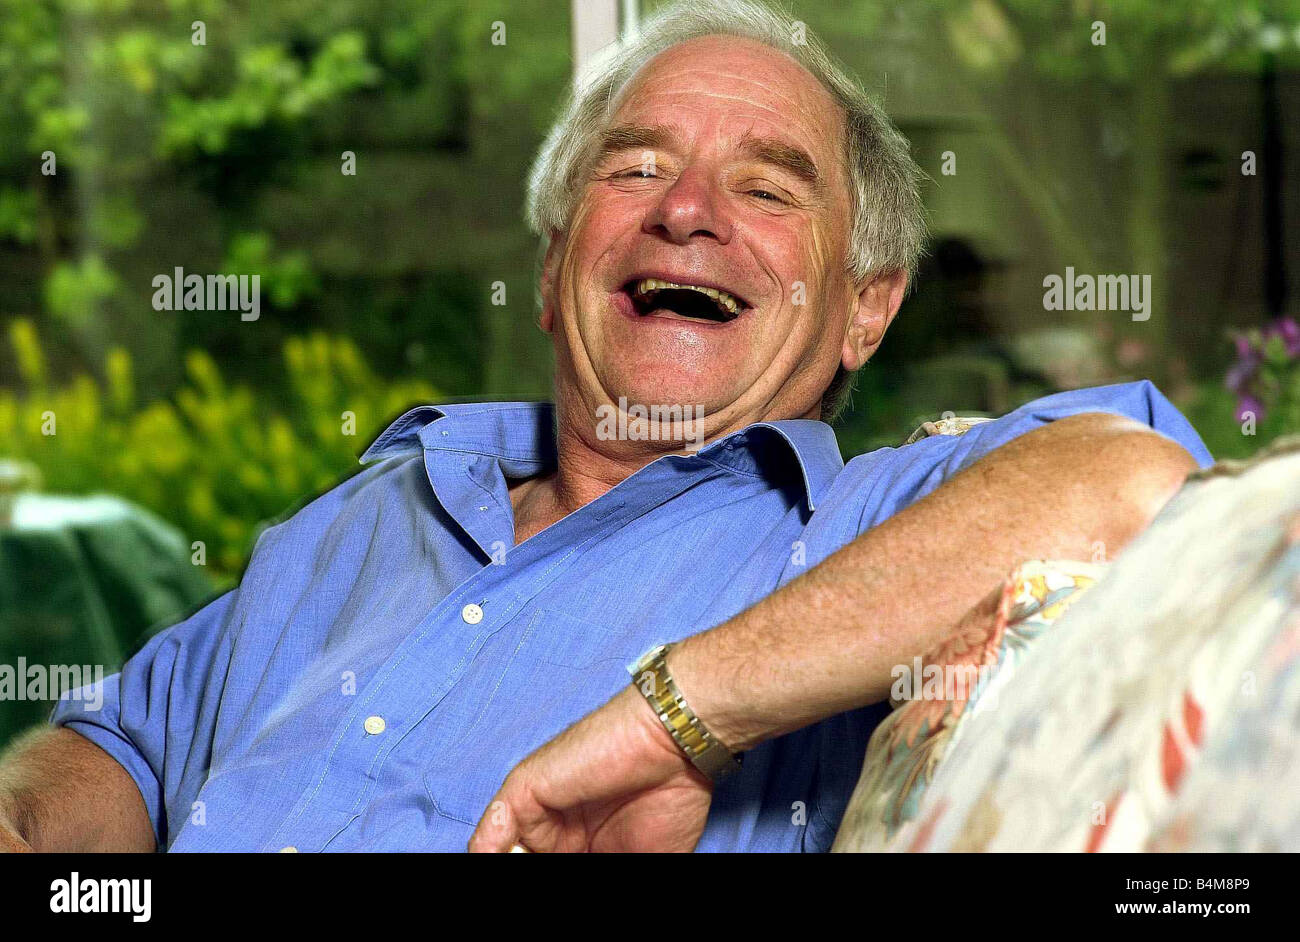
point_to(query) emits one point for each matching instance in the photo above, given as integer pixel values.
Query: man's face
(723, 169)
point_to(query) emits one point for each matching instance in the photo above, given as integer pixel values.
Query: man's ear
(549, 278)
(877, 303)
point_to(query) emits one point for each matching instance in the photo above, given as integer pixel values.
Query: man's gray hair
(888, 227)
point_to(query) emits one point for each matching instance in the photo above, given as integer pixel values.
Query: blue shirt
(390, 654)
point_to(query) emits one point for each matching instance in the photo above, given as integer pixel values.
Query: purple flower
(1249, 403)
(1243, 371)
(1289, 331)
(1250, 378)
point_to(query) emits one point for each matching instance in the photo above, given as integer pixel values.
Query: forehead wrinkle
(769, 83)
(721, 96)
(647, 93)
(763, 63)
(775, 80)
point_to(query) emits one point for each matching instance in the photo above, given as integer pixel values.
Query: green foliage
(207, 134)
(17, 215)
(74, 290)
(1212, 413)
(217, 460)
(285, 278)
(269, 85)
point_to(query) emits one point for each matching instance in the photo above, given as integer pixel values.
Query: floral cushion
(938, 692)
(947, 424)
(1161, 712)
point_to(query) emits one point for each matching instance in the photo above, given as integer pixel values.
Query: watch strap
(651, 676)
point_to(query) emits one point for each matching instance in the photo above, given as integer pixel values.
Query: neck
(587, 469)
(582, 474)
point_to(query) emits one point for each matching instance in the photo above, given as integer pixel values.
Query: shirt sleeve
(875, 486)
(1140, 401)
(157, 716)
(841, 743)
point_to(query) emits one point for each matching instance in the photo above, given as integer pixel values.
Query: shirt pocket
(561, 668)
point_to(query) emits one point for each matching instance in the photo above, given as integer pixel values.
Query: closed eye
(642, 173)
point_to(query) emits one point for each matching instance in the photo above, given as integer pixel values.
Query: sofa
(1149, 702)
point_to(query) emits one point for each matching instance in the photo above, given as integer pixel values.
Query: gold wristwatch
(650, 675)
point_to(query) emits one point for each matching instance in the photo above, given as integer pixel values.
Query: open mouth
(695, 302)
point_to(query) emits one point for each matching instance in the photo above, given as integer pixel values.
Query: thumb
(497, 831)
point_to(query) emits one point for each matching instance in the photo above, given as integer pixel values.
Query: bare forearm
(61, 792)
(827, 641)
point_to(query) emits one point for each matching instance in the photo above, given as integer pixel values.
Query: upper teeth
(646, 285)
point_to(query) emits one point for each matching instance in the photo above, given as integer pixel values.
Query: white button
(472, 614)
(375, 725)
(289, 850)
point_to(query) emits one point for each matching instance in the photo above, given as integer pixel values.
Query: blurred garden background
(129, 148)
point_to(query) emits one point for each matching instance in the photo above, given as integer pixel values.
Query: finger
(497, 831)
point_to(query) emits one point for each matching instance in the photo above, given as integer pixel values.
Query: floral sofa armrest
(936, 696)
(1162, 711)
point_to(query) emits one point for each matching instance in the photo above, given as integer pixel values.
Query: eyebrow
(632, 137)
(794, 160)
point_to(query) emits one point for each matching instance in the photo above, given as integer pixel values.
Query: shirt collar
(522, 436)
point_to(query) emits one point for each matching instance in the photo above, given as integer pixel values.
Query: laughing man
(434, 655)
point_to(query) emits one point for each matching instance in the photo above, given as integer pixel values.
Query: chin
(669, 386)
(649, 375)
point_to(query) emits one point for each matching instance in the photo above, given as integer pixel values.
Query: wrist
(704, 698)
(652, 731)
(654, 680)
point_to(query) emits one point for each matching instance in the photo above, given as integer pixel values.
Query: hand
(613, 781)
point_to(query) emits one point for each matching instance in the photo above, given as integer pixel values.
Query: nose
(690, 207)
